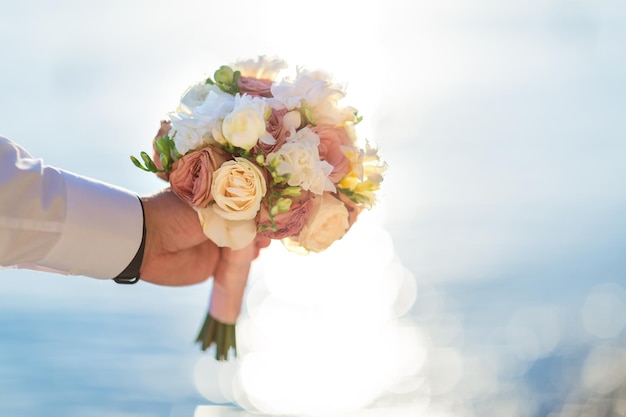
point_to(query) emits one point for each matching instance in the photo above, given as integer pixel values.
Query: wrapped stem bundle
(229, 285)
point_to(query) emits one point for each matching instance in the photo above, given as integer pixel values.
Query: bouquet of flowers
(254, 154)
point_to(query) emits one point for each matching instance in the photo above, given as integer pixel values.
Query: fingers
(176, 221)
(187, 267)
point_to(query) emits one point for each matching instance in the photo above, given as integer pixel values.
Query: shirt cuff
(102, 231)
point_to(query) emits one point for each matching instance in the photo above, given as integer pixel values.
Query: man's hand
(177, 252)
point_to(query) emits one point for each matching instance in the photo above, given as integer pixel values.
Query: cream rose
(238, 188)
(235, 234)
(329, 223)
(245, 125)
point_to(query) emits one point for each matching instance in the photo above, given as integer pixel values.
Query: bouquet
(255, 154)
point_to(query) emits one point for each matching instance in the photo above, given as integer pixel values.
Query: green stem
(220, 334)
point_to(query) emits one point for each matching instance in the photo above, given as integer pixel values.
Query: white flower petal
(235, 234)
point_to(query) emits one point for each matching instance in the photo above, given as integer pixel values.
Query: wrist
(130, 275)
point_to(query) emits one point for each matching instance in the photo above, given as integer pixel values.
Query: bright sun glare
(323, 333)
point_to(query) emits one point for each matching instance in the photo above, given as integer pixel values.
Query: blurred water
(502, 123)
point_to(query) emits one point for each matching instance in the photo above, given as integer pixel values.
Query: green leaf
(293, 191)
(138, 164)
(283, 204)
(224, 75)
(165, 162)
(148, 161)
(162, 145)
(307, 112)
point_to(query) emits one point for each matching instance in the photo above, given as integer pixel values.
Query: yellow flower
(365, 177)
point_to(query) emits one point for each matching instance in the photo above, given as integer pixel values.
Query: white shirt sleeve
(54, 220)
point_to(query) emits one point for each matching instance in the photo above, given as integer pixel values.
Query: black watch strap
(130, 275)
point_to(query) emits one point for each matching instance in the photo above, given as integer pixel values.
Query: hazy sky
(500, 120)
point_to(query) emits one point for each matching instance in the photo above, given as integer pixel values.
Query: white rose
(235, 234)
(216, 105)
(194, 96)
(190, 133)
(200, 125)
(326, 225)
(245, 125)
(299, 159)
(238, 188)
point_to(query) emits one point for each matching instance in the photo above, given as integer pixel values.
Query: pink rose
(331, 140)
(289, 223)
(192, 175)
(254, 86)
(276, 128)
(163, 130)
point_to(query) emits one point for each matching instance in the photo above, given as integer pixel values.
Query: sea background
(498, 246)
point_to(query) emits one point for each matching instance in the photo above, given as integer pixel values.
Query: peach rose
(332, 139)
(326, 225)
(289, 223)
(238, 188)
(254, 86)
(192, 175)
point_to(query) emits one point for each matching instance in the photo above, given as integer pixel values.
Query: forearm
(55, 219)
